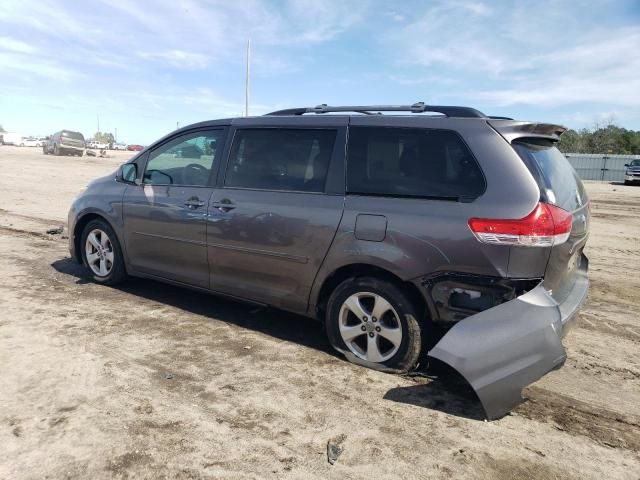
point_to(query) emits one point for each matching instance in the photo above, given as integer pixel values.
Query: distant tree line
(610, 139)
(104, 137)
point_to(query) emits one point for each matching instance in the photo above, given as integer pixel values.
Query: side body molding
(501, 350)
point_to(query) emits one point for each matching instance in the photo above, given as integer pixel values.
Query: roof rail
(420, 107)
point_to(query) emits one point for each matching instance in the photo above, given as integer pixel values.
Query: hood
(102, 180)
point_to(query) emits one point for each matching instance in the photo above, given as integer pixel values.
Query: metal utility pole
(247, 80)
(98, 117)
(116, 137)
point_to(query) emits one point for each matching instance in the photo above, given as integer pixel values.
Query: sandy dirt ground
(153, 381)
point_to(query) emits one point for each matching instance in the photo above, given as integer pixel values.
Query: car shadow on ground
(446, 391)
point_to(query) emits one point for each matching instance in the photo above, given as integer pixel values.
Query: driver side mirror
(626, 164)
(128, 173)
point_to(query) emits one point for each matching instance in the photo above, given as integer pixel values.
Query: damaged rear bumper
(501, 350)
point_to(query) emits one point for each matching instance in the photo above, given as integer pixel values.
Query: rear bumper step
(503, 349)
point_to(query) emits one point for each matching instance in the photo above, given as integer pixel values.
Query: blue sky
(143, 66)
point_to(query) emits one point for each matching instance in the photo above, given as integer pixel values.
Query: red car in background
(135, 148)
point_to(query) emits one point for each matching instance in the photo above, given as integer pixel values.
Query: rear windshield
(558, 181)
(74, 135)
(411, 162)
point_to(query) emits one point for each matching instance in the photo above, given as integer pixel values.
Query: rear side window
(558, 181)
(74, 135)
(280, 159)
(412, 162)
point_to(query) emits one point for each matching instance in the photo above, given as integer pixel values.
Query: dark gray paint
(269, 247)
(370, 227)
(503, 349)
(102, 197)
(164, 236)
(279, 248)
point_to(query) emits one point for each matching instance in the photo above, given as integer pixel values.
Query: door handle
(194, 202)
(224, 205)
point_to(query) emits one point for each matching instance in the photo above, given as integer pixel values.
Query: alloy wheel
(370, 327)
(99, 252)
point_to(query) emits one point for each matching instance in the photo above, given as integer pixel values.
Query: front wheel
(56, 150)
(102, 254)
(374, 321)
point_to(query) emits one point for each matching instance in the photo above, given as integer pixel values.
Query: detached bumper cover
(501, 350)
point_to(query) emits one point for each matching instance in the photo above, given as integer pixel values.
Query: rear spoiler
(512, 130)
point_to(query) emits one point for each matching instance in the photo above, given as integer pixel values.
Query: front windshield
(635, 163)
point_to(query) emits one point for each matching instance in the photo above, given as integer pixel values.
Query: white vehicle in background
(31, 142)
(10, 138)
(119, 146)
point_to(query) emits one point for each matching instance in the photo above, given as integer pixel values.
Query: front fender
(102, 197)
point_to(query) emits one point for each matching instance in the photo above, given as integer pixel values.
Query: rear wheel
(376, 322)
(102, 254)
(56, 150)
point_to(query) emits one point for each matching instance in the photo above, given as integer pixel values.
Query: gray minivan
(455, 236)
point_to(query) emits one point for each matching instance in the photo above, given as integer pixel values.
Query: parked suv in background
(64, 142)
(632, 173)
(459, 237)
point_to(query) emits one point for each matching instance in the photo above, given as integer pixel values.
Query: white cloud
(531, 54)
(178, 58)
(602, 68)
(187, 33)
(24, 67)
(13, 45)
(477, 8)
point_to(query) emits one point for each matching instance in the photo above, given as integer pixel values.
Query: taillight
(546, 226)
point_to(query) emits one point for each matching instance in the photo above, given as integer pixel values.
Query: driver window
(186, 160)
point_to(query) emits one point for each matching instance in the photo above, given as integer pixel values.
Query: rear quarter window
(558, 181)
(411, 162)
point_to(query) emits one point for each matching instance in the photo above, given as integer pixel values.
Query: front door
(164, 218)
(270, 222)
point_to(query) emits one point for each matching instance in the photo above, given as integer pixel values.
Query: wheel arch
(79, 226)
(354, 270)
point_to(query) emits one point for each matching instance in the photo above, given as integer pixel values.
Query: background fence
(608, 168)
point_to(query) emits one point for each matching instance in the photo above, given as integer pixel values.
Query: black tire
(627, 182)
(118, 273)
(80, 154)
(56, 150)
(408, 353)
(44, 150)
